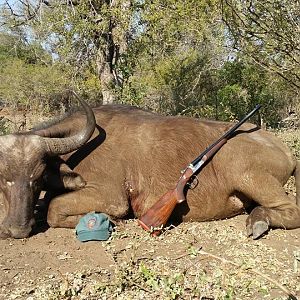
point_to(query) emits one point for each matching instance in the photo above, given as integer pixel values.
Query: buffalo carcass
(124, 159)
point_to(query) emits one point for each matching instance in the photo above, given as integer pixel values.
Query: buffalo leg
(275, 207)
(66, 210)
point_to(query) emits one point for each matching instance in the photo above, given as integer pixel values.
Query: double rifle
(157, 216)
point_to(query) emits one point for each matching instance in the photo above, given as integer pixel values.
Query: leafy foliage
(268, 33)
(244, 86)
(196, 58)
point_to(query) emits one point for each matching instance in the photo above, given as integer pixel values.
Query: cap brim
(97, 235)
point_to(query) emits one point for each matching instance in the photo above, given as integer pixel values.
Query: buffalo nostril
(4, 234)
(21, 232)
(31, 222)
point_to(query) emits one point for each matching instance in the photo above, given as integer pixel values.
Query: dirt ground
(209, 260)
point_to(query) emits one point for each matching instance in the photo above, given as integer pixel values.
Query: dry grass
(210, 260)
(292, 138)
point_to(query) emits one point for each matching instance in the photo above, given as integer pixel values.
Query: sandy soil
(132, 265)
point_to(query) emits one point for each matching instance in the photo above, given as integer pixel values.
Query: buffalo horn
(59, 146)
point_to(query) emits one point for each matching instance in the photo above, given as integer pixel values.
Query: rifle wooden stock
(159, 213)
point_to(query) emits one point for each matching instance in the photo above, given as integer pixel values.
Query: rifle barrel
(227, 134)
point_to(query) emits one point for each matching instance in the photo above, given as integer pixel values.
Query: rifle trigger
(193, 182)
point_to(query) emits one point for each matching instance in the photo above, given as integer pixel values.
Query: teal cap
(94, 227)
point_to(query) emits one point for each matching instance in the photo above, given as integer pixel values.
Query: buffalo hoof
(257, 222)
(257, 229)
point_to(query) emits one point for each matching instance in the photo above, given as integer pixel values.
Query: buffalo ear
(59, 176)
(72, 181)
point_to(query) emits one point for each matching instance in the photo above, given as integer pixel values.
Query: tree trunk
(109, 53)
(105, 67)
(106, 78)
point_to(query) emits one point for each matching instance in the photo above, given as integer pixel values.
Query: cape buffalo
(119, 160)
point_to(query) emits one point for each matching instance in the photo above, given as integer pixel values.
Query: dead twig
(186, 254)
(226, 261)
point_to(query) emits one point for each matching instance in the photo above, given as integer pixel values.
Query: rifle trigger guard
(193, 182)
